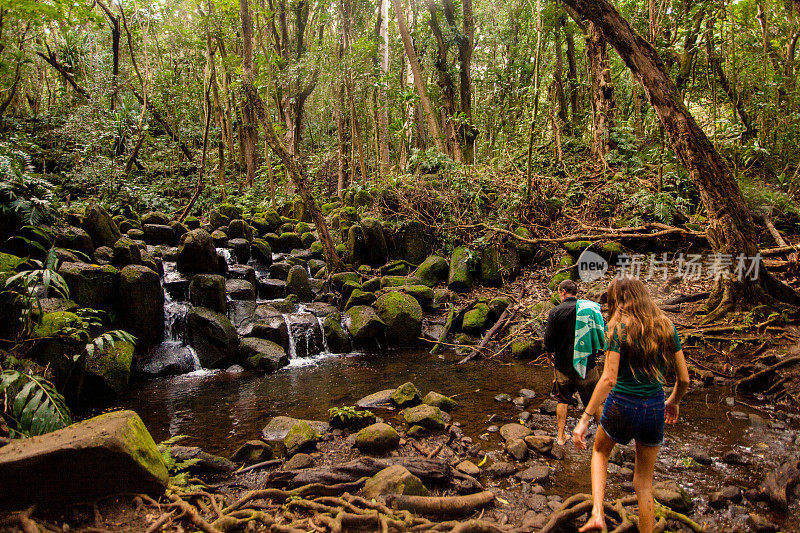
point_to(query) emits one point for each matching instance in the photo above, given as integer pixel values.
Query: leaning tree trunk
(289, 160)
(731, 228)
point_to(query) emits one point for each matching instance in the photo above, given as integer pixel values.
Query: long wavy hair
(640, 325)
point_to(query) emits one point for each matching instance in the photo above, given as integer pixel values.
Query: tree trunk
(289, 160)
(419, 82)
(572, 77)
(558, 76)
(383, 104)
(602, 93)
(731, 227)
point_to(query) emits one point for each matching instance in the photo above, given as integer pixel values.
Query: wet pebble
(524, 416)
(537, 502)
(469, 468)
(756, 421)
(534, 474)
(700, 455)
(517, 449)
(493, 429)
(729, 401)
(733, 457)
(502, 398)
(739, 415)
(527, 393)
(548, 407)
(500, 470)
(521, 402)
(534, 521)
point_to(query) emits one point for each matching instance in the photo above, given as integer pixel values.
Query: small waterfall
(292, 342)
(227, 254)
(325, 348)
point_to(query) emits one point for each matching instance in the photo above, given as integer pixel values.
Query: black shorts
(566, 385)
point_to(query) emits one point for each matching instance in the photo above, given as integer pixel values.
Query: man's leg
(561, 419)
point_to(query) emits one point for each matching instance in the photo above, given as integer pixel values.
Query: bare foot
(563, 441)
(595, 523)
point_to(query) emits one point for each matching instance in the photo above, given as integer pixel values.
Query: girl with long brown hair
(641, 342)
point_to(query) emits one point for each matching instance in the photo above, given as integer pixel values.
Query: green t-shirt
(628, 381)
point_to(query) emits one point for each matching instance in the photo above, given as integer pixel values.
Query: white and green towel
(590, 329)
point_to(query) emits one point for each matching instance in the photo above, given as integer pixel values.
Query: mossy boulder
(192, 223)
(95, 286)
(526, 348)
(415, 242)
(406, 395)
(349, 288)
(230, 211)
(445, 403)
(377, 438)
(393, 480)
(359, 297)
(402, 315)
(611, 250)
(301, 437)
(374, 251)
(289, 241)
(575, 248)
(461, 266)
(476, 319)
(108, 370)
(395, 268)
(302, 227)
(197, 254)
(100, 226)
(363, 323)
(509, 262)
(109, 454)
(317, 250)
(491, 266)
(208, 290)
(213, 337)
(308, 239)
(499, 304)
(340, 278)
(141, 304)
(433, 270)
(329, 207)
(297, 283)
(558, 278)
(338, 340)
(126, 252)
(421, 293)
(525, 250)
(262, 252)
(74, 238)
(261, 355)
(220, 238)
(239, 229)
(424, 415)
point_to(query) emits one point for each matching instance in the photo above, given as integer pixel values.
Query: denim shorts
(627, 417)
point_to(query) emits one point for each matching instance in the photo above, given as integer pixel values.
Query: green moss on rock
(406, 395)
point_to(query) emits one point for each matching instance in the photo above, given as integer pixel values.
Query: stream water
(219, 411)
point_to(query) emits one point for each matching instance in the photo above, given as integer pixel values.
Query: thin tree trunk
(558, 76)
(289, 160)
(419, 82)
(537, 60)
(383, 104)
(602, 93)
(572, 77)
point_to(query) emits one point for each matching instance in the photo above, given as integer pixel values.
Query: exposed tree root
(442, 505)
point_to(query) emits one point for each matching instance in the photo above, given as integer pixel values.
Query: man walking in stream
(575, 333)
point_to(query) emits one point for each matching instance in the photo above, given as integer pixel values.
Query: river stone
(213, 337)
(469, 468)
(93, 286)
(517, 449)
(338, 340)
(395, 479)
(299, 461)
(220, 238)
(158, 234)
(289, 241)
(402, 315)
(74, 238)
(511, 432)
(432, 271)
(297, 283)
(271, 328)
(201, 462)
(103, 255)
(252, 452)
(208, 290)
(262, 252)
(238, 229)
(196, 254)
(261, 355)
(406, 395)
(155, 217)
(107, 371)
(301, 436)
(673, 496)
(380, 399)
(239, 289)
(241, 249)
(534, 474)
(100, 226)
(490, 266)
(109, 454)
(271, 289)
(278, 428)
(423, 415)
(279, 270)
(700, 455)
(363, 323)
(376, 252)
(141, 304)
(445, 403)
(734, 457)
(476, 319)
(377, 438)
(525, 250)
(229, 211)
(136, 234)
(542, 444)
(340, 278)
(548, 407)
(761, 524)
(501, 470)
(178, 229)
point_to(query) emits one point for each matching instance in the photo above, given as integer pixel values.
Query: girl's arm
(681, 386)
(604, 386)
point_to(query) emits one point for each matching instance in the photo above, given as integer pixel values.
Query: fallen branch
(767, 371)
(507, 315)
(263, 464)
(441, 505)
